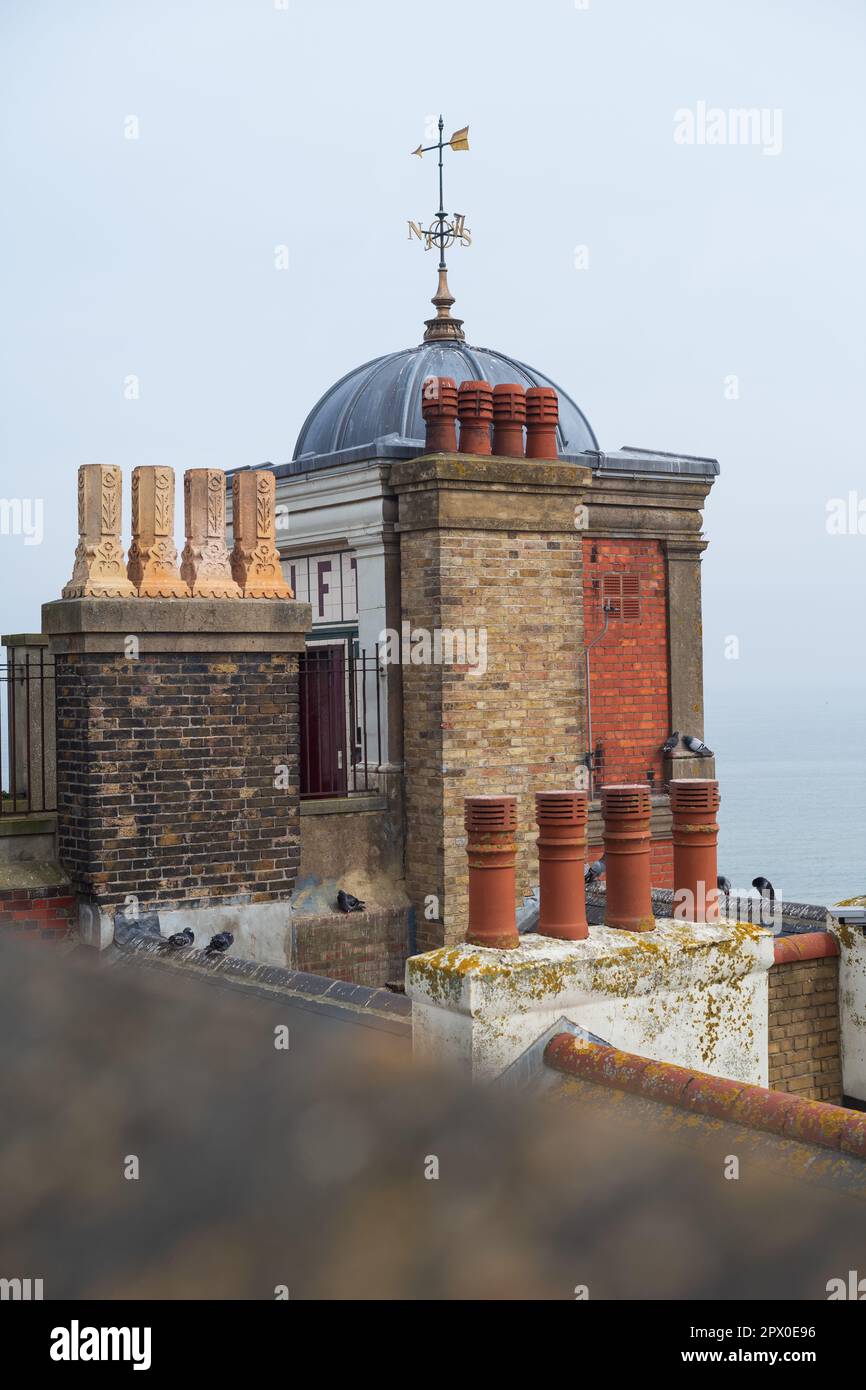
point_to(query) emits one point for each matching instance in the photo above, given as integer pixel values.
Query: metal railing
(28, 778)
(341, 700)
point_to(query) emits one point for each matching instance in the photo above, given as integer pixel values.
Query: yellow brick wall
(804, 1029)
(518, 728)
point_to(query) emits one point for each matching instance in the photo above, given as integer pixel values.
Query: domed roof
(382, 399)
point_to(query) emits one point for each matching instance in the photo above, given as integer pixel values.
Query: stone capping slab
(812, 945)
(340, 805)
(276, 978)
(33, 823)
(24, 639)
(756, 1107)
(177, 624)
(543, 973)
(521, 474)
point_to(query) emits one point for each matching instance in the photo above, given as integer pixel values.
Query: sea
(791, 765)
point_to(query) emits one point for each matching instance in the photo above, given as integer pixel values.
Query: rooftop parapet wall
(694, 995)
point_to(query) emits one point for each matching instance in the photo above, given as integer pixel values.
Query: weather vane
(447, 229)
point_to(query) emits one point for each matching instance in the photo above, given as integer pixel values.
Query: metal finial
(447, 230)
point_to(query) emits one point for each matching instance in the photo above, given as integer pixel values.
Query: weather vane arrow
(447, 229)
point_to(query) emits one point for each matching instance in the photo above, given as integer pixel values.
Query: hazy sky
(261, 126)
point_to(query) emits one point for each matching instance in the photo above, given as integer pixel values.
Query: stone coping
(813, 945)
(342, 805)
(542, 973)
(523, 474)
(273, 979)
(24, 639)
(29, 823)
(103, 625)
(756, 1107)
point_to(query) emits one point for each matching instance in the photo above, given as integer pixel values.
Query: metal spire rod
(441, 212)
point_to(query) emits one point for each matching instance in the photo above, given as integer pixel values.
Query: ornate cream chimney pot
(205, 564)
(99, 570)
(255, 561)
(152, 565)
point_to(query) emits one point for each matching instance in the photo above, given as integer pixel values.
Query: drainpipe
(606, 609)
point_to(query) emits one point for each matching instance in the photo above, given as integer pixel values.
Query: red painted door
(322, 709)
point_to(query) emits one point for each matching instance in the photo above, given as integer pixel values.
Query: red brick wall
(661, 861)
(629, 668)
(629, 673)
(36, 912)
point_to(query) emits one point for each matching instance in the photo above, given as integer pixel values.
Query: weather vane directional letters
(448, 227)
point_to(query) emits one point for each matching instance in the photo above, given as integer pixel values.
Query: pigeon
(594, 870)
(346, 902)
(670, 743)
(219, 944)
(699, 749)
(723, 884)
(764, 887)
(182, 938)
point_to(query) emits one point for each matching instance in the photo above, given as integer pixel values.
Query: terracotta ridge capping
(808, 945)
(775, 1112)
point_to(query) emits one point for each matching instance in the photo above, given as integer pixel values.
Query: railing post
(30, 723)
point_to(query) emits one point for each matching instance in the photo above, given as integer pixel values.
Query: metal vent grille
(626, 800)
(488, 813)
(697, 795)
(561, 808)
(622, 593)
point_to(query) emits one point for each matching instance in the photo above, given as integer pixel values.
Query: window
(622, 592)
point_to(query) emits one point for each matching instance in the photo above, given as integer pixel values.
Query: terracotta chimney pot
(542, 417)
(626, 810)
(491, 823)
(439, 408)
(694, 804)
(475, 410)
(509, 417)
(562, 818)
